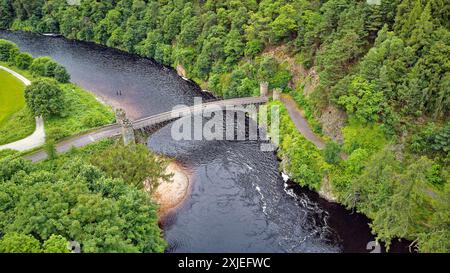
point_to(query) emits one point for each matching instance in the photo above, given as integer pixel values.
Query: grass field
(16, 121)
(11, 95)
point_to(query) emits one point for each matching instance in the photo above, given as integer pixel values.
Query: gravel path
(300, 122)
(37, 138)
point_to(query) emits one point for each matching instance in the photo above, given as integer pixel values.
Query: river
(238, 200)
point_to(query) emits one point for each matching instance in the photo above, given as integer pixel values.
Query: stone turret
(127, 127)
(263, 89)
(276, 93)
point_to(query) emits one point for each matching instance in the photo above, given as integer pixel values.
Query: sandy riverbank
(170, 195)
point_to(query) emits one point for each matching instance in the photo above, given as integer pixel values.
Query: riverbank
(170, 194)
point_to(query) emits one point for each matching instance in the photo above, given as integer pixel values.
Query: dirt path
(37, 138)
(300, 122)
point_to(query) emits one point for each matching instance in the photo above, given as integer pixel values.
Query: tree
(75, 201)
(163, 54)
(19, 243)
(6, 13)
(362, 100)
(50, 149)
(147, 47)
(134, 164)
(437, 238)
(23, 60)
(46, 67)
(5, 49)
(45, 97)
(285, 23)
(190, 30)
(234, 47)
(61, 74)
(332, 152)
(56, 244)
(403, 212)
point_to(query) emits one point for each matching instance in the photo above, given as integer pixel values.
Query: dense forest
(385, 67)
(76, 198)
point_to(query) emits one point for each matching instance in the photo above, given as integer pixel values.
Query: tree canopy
(43, 209)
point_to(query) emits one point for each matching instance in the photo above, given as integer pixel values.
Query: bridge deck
(188, 110)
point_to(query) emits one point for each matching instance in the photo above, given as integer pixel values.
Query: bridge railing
(184, 111)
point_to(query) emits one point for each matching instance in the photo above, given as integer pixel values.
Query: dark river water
(238, 201)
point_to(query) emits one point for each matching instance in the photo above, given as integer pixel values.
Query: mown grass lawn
(11, 95)
(16, 122)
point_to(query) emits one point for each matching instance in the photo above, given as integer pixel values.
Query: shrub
(13, 52)
(61, 74)
(42, 66)
(5, 49)
(50, 148)
(332, 152)
(93, 120)
(57, 133)
(23, 60)
(46, 67)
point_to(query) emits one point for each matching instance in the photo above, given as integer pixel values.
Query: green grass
(82, 111)
(16, 122)
(11, 95)
(84, 153)
(19, 125)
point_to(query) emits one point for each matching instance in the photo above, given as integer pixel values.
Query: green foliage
(76, 202)
(398, 195)
(50, 149)
(437, 239)
(81, 112)
(331, 153)
(285, 23)
(56, 244)
(405, 212)
(19, 243)
(356, 135)
(60, 73)
(134, 164)
(6, 13)
(432, 140)
(44, 97)
(23, 60)
(362, 101)
(5, 49)
(308, 111)
(301, 159)
(46, 67)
